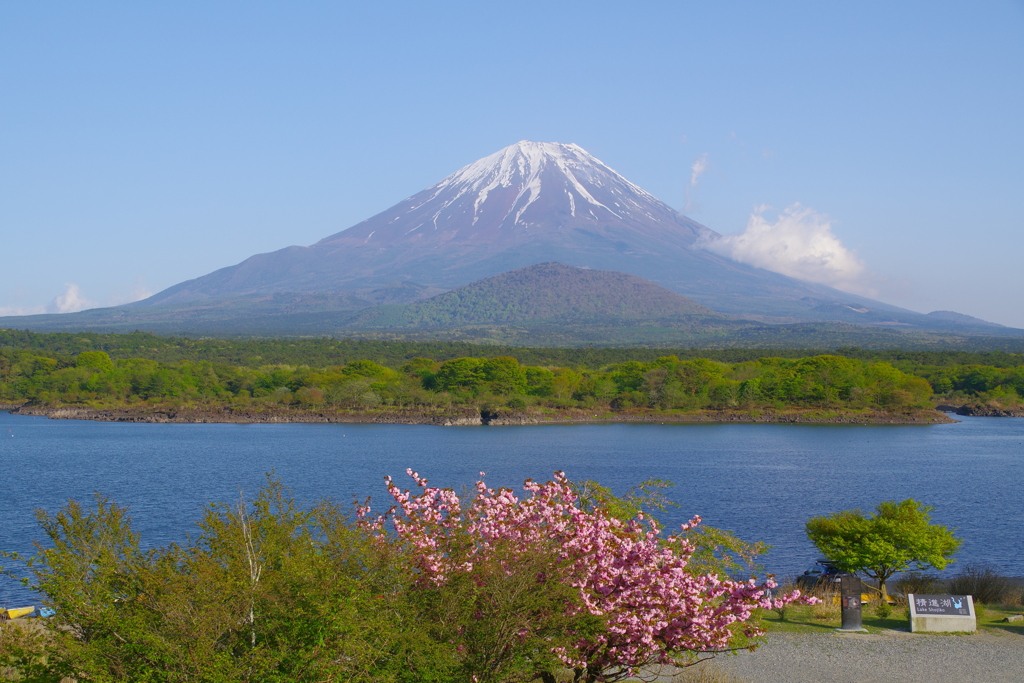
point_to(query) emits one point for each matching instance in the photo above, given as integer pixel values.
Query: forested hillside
(547, 291)
(56, 369)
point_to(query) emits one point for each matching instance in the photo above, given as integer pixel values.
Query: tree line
(664, 383)
(325, 351)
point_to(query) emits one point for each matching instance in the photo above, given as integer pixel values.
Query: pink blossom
(654, 610)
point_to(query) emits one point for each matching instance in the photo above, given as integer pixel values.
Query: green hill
(547, 292)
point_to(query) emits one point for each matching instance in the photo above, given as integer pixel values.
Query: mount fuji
(527, 204)
(531, 202)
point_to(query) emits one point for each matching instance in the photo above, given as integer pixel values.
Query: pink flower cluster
(654, 610)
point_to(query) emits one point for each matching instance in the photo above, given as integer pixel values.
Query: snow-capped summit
(528, 187)
(529, 168)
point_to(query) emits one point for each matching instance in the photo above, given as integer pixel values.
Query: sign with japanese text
(941, 605)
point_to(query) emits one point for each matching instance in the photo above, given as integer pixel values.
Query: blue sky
(142, 144)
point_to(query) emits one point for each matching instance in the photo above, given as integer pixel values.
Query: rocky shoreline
(464, 416)
(980, 410)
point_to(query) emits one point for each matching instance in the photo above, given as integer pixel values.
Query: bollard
(850, 590)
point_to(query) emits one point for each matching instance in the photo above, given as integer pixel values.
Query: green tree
(94, 359)
(895, 538)
(504, 375)
(458, 374)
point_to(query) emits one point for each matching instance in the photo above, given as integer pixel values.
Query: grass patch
(816, 619)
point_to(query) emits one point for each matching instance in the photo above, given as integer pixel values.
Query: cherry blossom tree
(626, 600)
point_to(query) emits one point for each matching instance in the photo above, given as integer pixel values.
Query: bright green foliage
(460, 373)
(367, 368)
(97, 369)
(960, 382)
(98, 360)
(504, 376)
(265, 593)
(896, 537)
(665, 383)
(419, 367)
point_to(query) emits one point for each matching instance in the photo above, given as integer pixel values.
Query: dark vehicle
(822, 574)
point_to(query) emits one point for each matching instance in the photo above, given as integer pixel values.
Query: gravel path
(991, 656)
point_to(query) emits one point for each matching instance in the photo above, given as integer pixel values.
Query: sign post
(850, 589)
(949, 613)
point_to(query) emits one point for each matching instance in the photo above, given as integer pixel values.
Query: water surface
(761, 481)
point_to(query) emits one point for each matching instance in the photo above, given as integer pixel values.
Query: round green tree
(895, 538)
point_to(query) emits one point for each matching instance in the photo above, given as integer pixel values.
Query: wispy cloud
(71, 301)
(136, 292)
(21, 310)
(799, 242)
(698, 168)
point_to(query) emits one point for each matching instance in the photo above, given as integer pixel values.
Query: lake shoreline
(468, 416)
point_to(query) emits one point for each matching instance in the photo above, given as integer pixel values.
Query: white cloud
(798, 243)
(71, 301)
(698, 168)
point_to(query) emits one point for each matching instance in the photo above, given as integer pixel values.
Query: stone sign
(942, 613)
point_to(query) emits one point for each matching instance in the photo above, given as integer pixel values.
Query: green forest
(100, 370)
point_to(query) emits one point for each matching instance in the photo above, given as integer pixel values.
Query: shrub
(309, 396)
(265, 593)
(986, 585)
(918, 583)
(22, 652)
(629, 399)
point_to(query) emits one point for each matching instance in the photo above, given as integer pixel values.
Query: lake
(760, 481)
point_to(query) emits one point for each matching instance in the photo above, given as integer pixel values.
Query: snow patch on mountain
(523, 165)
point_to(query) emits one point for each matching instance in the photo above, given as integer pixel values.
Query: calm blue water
(760, 481)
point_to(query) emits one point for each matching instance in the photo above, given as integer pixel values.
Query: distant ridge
(960, 318)
(546, 292)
